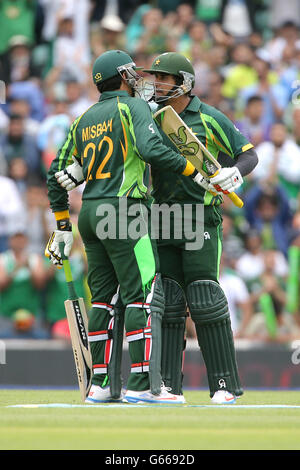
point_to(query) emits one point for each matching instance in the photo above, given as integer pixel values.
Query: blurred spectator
(53, 130)
(185, 18)
(216, 58)
(17, 17)
(209, 71)
(288, 70)
(196, 42)
(21, 107)
(21, 280)
(135, 27)
(11, 209)
(237, 19)
(251, 123)
(285, 16)
(250, 265)
(267, 210)
(55, 10)
(110, 34)
(154, 39)
(238, 298)
(232, 245)
(68, 53)
(271, 322)
(215, 97)
(267, 85)
(17, 63)
(240, 72)
(19, 144)
(18, 172)
(77, 99)
(279, 163)
(31, 91)
(39, 218)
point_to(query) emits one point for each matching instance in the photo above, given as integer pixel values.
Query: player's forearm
(247, 161)
(58, 196)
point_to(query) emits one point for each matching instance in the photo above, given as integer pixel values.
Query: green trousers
(187, 265)
(117, 259)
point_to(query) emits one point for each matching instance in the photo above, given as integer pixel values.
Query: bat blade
(186, 142)
(190, 146)
(78, 326)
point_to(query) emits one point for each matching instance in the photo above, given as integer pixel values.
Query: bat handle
(68, 273)
(236, 200)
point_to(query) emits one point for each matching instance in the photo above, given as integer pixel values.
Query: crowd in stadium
(246, 57)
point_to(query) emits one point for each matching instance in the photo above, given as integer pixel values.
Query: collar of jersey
(193, 106)
(112, 94)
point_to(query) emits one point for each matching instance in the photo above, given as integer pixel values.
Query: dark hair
(251, 233)
(16, 117)
(254, 99)
(110, 84)
(268, 198)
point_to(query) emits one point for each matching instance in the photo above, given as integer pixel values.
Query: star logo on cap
(157, 62)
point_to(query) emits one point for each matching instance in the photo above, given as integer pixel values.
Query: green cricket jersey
(115, 140)
(218, 134)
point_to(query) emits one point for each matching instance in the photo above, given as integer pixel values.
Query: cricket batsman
(109, 148)
(192, 276)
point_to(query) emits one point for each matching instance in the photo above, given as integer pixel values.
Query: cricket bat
(78, 325)
(190, 146)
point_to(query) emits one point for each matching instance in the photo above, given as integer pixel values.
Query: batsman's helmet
(172, 63)
(114, 62)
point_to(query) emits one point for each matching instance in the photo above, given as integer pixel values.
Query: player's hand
(52, 250)
(205, 183)
(71, 176)
(227, 180)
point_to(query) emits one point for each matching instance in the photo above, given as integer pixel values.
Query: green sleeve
(148, 141)
(58, 196)
(222, 134)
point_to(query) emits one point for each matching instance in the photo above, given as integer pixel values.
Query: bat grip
(236, 200)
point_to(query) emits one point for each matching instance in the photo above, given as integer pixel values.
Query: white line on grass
(124, 406)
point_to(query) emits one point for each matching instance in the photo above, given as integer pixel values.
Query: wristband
(64, 225)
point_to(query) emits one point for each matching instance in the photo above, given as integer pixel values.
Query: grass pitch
(245, 426)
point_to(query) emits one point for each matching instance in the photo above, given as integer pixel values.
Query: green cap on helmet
(171, 63)
(106, 65)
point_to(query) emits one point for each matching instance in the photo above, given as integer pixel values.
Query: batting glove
(63, 234)
(71, 176)
(227, 180)
(206, 184)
